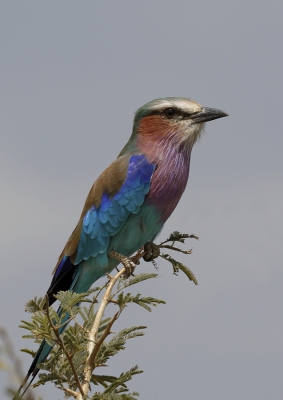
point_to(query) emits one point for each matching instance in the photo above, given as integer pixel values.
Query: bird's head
(171, 121)
(181, 118)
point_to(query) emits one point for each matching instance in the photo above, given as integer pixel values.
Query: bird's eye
(169, 113)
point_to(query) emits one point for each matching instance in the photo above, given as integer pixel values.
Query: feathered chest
(169, 182)
(167, 146)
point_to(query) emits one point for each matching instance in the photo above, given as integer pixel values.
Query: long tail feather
(40, 357)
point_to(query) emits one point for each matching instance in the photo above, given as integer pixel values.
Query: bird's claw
(152, 251)
(128, 264)
(129, 267)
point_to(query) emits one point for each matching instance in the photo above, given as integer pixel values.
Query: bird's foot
(128, 264)
(129, 267)
(152, 251)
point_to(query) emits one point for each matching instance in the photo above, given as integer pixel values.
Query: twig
(69, 391)
(96, 296)
(102, 338)
(60, 342)
(140, 253)
(81, 327)
(93, 346)
(175, 249)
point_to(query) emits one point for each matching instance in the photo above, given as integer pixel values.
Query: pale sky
(72, 76)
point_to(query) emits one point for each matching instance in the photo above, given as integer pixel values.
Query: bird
(131, 200)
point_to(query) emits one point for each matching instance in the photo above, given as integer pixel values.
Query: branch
(93, 346)
(175, 249)
(102, 338)
(97, 294)
(69, 391)
(61, 344)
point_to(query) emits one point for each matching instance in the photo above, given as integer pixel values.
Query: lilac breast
(169, 180)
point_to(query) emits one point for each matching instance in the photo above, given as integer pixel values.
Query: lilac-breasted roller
(130, 201)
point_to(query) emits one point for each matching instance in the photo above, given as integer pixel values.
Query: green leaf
(70, 300)
(28, 351)
(124, 377)
(146, 301)
(179, 237)
(178, 265)
(102, 379)
(35, 305)
(134, 280)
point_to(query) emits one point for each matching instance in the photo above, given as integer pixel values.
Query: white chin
(194, 132)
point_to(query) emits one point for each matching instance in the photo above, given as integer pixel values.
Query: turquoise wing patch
(99, 224)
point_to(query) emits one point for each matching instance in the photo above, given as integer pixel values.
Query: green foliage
(179, 237)
(144, 302)
(123, 283)
(35, 305)
(177, 265)
(45, 323)
(89, 343)
(115, 396)
(117, 343)
(117, 387)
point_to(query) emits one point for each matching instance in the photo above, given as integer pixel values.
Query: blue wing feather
(100, 223)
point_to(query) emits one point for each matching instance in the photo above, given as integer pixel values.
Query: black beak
(208, 114)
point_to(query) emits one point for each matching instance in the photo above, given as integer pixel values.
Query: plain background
(72, 75)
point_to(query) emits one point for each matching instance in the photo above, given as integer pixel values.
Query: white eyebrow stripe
(181, 104)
